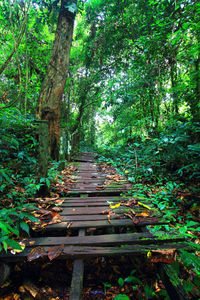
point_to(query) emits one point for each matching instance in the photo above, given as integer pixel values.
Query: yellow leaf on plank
(144, 205)
(143, 214)
(148, 254)
(115, 205)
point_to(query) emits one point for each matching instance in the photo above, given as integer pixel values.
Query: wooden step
(72, 252)
(104, 223)
(108, 239)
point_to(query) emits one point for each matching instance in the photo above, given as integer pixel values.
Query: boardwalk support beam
(77, 276)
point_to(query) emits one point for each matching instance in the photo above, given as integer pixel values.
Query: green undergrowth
(165, 171)
(19, 181)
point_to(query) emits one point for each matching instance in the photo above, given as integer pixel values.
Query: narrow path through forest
(98, 219)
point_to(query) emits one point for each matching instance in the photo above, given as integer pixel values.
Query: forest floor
(104, 278)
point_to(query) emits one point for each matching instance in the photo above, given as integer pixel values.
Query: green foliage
(121, 281)
(149, 293)
(12, 224)
(18, 152)
(190, 260)
(168, 156)
(121, 297)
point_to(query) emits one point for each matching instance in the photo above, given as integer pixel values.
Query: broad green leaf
(13, 244)
(24, 226)
(121, 281)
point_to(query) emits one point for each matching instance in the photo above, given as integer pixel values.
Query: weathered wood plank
(93, 199)
(85, 218)
(83, 204)
(77, 275)
(108, 239)
(71, 252)
(104, 224)
(68, 204)
(77, 280)
(85, 210)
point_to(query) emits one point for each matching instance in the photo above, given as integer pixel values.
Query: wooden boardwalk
(100, 222)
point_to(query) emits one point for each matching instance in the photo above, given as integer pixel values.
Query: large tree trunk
(50, 99)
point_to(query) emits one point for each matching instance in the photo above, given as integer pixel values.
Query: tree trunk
(52, 92)
(173, 75)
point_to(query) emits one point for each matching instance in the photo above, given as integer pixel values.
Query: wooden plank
(92, 190)
(92, 210)
(87, 252)
(84, 204)
(86, 218)
(77, 275)
(83, 211)
(104, 224)
(77, 280)
(108, 239)
(80, 204)
(93, 199)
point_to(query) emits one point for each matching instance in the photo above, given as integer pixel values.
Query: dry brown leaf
(36, 253)
(56, 219)
(104, 212)
(31, 243)
(143, 214)
(31, 289)
(55, 252)
(164, 251)
(22, 289)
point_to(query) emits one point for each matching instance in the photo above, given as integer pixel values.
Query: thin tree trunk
(52, 92)
(18, 40)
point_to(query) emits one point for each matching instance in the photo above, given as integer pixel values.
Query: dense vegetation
(130, 91)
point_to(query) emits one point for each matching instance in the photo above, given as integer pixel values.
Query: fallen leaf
(55, 252)
(31, 243)
(148, 254)
(106, 211)
(31, 289)
(59, 202)
(165, 251)
(56, 219)
(166, 256)
(144, 205)
(22, 289)
(115, 205)
(36, 253)
(57, 209)
(54, 214)
(143, 214)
